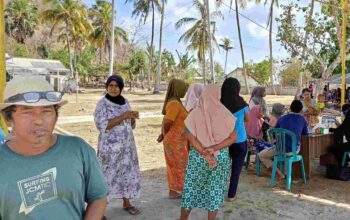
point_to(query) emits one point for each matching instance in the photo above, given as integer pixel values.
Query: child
(320, 104)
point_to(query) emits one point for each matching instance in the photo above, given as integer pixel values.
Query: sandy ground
(320, 198)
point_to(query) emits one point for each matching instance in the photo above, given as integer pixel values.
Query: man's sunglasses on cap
(32, 97)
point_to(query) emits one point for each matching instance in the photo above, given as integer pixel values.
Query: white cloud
(256, 31)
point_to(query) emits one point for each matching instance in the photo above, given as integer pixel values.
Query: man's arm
(305, 129)
(96, 209)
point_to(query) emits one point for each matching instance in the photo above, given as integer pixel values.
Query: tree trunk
(270, 44)
(69, 52)
(300, 84)
(111, 42)
(100, 61)
(241, 46)
(210, 43)
(203, 58)
(143, 79)
(157, 85)
(225, 62)
(76, 73)
(151, 54)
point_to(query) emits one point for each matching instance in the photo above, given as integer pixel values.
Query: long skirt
(176, 157)
(206, 187)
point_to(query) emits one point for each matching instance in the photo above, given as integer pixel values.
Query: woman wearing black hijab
(116, 144)
(342, 130)
(231, 99)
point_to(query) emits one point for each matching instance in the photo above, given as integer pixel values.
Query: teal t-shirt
(53, 185)
(239, 126)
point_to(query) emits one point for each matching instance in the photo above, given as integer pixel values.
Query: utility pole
(210, 42)
(111, 51)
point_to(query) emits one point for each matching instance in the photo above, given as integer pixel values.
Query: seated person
(309, 111)
(322, 107)
(342, 130)
(278, 110)
(254, 127)
(294, 122)
(320, 104)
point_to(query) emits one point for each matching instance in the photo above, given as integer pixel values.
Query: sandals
(132, 210)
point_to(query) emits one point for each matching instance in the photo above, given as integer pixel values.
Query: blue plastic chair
(346, 154)
(279, 136)
(258, 165)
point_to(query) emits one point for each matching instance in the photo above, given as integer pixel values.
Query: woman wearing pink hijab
(193, 94)
(209, 130)
(255, 123)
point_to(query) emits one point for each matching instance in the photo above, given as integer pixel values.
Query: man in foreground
(44, 175)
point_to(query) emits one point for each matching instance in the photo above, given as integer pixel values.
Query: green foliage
(290, 75)
(190, 73)
(197, 36)
(101, 17)
(219, 72)
(168, 63)
(43, 51)
(137, 63)
(259, 71)
(142, 8)
(61, 55)
(85, 65)
(322, 45)
(21, 51)
(21, 19)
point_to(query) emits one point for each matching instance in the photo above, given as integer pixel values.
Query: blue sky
(255, 38)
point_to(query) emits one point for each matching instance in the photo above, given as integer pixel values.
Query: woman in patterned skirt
(209, 130)
(175, 145)
(116, 145)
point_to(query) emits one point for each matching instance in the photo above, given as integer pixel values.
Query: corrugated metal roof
(29, 63)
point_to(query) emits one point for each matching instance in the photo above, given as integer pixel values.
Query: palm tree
(101, 16)
(74, 16)
(270, 23)
(242, 4)
(227, 46)
(142, 8)
(21, 18)
(159, 69)
(185, 61)
(197, 36)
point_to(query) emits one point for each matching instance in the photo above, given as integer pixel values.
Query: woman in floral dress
(116, 145)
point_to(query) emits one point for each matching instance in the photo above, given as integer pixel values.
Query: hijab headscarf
(193, 94)
(277, 110)
(230, 97)
(343, 129)
(120, 100)
(176, 90)
(254, 124)
(211, 123)
(257, 98)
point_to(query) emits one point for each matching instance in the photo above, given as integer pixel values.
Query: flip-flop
(132, 210)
